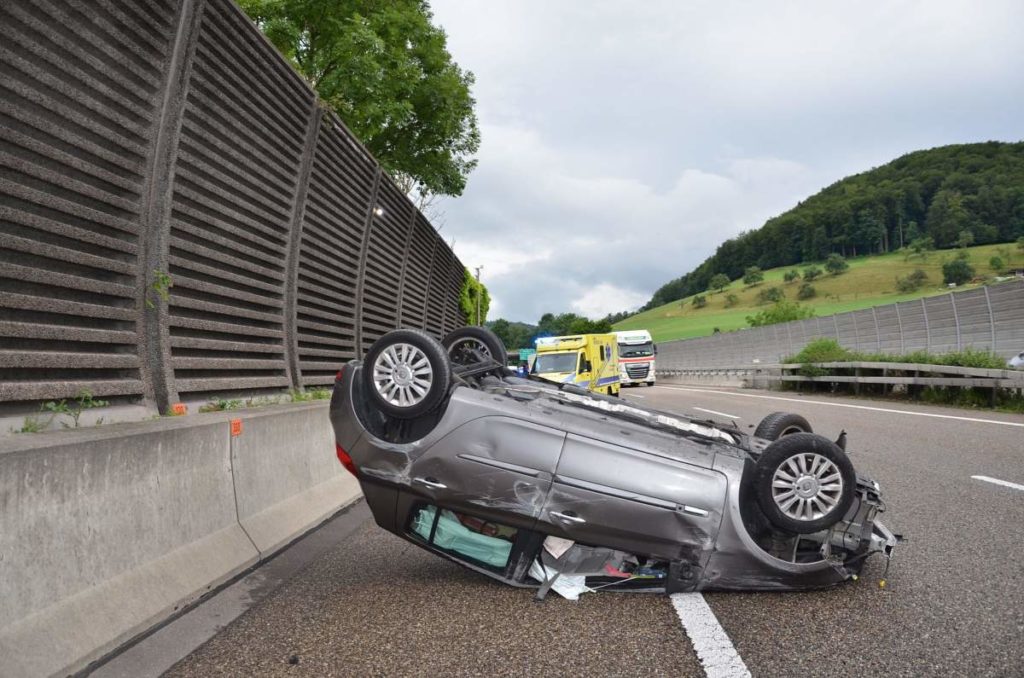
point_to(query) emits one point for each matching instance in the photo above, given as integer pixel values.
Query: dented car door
(494, 467)
(608, 495)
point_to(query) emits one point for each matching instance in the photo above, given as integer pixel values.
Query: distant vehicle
(590, 361)
(1016, 362)
(636, 357)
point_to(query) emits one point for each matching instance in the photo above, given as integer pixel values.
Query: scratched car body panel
(506, 466)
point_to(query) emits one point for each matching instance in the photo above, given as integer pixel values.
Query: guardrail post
(291, 335)
(155, 211)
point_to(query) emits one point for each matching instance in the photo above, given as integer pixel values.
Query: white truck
(636, 357)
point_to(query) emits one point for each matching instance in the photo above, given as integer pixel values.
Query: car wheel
(804, 483)
(779, 424)
(470, 345)
(407, 374)
(650, 383)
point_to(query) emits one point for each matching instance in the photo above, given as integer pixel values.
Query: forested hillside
(970, 193)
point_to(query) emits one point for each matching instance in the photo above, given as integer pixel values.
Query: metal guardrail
(179, 217)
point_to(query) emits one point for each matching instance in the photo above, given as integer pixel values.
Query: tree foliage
(934, 194)
(957, 271)
(471, 289)
(782, 312)
(386, 71)
(752, 275)
(700, 301)
(719, 282)
(836, 264)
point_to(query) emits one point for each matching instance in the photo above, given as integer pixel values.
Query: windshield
(636, 350)
(554, 362)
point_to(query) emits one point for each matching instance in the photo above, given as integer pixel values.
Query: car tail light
(346, 460)
(337, 377)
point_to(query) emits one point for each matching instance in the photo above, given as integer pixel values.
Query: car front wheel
(804, 483)
(406, 374)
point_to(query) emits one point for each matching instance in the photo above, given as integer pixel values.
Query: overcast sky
(622, 142)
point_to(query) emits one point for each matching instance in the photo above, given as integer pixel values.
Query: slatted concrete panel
(1008, 311)
(913, 321)
(384, 258)
(867, 331)
(79, 84)
(453, 316)
(433, 319)
(234, 190)
(889, 329)
(417, 273)
(336, 210)
(973, 321)
(942, 330)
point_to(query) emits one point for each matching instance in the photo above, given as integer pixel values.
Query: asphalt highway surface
(953, 604)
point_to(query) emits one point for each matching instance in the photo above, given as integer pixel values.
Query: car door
(609, 495)
(495, 467)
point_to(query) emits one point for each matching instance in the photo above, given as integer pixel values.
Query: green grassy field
(870, 281)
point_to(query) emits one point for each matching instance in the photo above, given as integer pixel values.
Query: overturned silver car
(527, 481)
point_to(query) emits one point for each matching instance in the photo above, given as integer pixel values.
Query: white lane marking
(712, 645)
(807, 401)
(633, 395)
(721, 414)
(997, 481)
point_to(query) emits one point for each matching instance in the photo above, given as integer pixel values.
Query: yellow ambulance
(590, 361)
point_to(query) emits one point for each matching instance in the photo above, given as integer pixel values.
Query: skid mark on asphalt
(721, 414)
(996, 481)
(710, 641)
(807, 401)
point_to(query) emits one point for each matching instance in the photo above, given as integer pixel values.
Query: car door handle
(568, 518)
(432, 484)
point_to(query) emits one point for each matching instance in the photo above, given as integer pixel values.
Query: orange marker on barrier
(179, 409)
(236, 427)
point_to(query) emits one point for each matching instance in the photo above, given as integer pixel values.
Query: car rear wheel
(779, 424)
(804, 483)
(407, 374)
(471, 345)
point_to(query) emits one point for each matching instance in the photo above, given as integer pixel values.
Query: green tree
(811, 272)
(836, 264)
(996, 264)
(921, 246)
(965, 239)
(384, 68)
(471, 290)
(807, 291)
(731, 300)
(752, 275)
(957, 271)
(791, 275)
(782, 312)
(699, 301)
(1020, 243)
(770, 294)
(719, 282)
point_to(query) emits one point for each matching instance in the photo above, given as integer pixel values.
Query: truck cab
(590, 361)
(636, 357)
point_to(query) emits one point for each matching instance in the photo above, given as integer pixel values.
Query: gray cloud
(622, 144)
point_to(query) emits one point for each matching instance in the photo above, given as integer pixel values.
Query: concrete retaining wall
(106, 532)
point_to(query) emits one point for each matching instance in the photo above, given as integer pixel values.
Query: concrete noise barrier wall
(105, 532)
(988, 318)
(181, 218)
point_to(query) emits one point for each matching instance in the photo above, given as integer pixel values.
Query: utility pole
(478, 295)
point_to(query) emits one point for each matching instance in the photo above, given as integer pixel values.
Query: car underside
(539, 484)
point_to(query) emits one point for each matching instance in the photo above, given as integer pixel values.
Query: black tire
(804, 483)
(406, 374)
(779, 424)
(470, 345)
